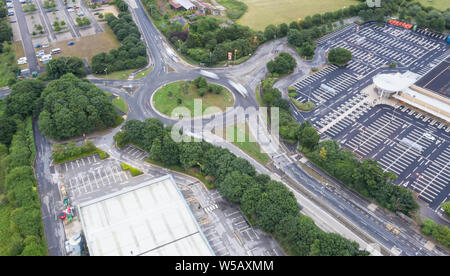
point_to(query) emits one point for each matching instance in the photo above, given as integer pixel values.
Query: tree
(155, 151)
(22, 100)
(309, 137)
(169, 151)
(72, 107)
(270, 32)
(283, 63)
(7, 130)
(428, 227)
(63, 65)
(446, 207)
(339, 56)
(190, 154)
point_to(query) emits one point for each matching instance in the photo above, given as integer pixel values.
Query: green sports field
(438, 4)
(261, 13)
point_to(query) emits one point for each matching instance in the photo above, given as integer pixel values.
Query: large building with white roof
(149, 219)
(429, 93)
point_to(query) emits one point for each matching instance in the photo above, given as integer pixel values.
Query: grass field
(261, 13)
(143, 73)
(166, 98)
(438, 4)
(88, 46)
(120, 104)
(253, 149)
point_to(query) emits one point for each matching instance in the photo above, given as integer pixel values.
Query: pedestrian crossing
(210, 208)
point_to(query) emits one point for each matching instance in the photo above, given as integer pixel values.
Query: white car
(40, 53)
(45, 58)
(22, 60)
(429, 136)
(45, 45)
(71, 10)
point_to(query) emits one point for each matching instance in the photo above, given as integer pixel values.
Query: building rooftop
(394, 82)
(151, 218)
(437, 79)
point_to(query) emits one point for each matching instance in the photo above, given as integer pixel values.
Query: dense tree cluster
(72, 107)
(366, 177)
(284, 63)
(5, 30)
(132, 54)
(339, 56)
(58, 67)
(267, 203)
(439, 232)
(21, 230)
(22, 100)
(207, 43)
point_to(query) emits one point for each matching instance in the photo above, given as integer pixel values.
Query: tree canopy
(63, 65)
(72, 107)
(339, 56)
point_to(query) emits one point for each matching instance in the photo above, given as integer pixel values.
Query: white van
(55, 51)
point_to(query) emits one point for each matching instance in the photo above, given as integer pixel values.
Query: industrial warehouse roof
(149, 219)
(437, 79)
(394, 82)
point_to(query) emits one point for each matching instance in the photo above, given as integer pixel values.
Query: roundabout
(186, 99)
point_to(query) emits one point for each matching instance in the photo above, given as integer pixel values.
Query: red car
(76, 7)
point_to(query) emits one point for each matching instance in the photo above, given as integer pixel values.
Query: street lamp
(235, 54)
(106, 71)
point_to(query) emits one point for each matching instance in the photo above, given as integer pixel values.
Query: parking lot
(89, 177)
(224, 225)
(410, 144)
(395, 138)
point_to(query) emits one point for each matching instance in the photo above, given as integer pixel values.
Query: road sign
(230, 56)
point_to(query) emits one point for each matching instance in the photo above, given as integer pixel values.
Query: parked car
(40, 53)
(68, 7)
(9, 5)
(45, 45)
(76, 7)
(71, 43)
(22, 60)
(71, 10)
(12, 21)
(37, 46)
(80, 13)
(10, 13)
(96, 13)
(429, 136)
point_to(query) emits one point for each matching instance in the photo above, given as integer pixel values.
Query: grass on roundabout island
(173, 95)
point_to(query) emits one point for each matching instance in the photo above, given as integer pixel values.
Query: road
(248, 74)
(26, 38)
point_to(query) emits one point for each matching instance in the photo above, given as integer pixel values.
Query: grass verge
(120, 104)
(133, 171)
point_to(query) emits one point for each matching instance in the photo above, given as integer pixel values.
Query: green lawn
(261, 13)
(166, 98)
(119, 75)
(120, 104)
(143, 73)
(438, 4)
(253, 149)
